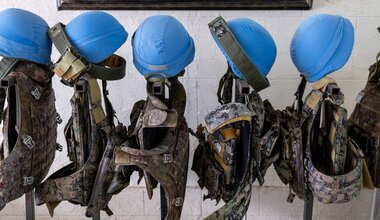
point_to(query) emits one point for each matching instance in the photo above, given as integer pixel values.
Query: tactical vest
(235, 148)
(30, 127)
(321, 157)
(85, 145)
(290, 167)
(219, 148)
(160, 146)
(365, 122)
(90, 133)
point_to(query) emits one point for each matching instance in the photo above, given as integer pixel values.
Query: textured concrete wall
(201, 80)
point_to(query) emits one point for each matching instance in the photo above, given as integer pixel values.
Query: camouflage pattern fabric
(100, 196)
(212, 174)
(337, 178)
(338, 188)
(123, 174)
(315, 151)
(29, 131)
(226, 114)
(364, 122)
(290, 167)
(259, 156)
(160, 147)
(87, 133)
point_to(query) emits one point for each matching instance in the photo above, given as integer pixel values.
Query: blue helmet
(322, 44)
(24, 35)
(96, 35)
(162, 45)
(256, 42)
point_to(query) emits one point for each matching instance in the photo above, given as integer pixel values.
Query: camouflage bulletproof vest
(29, 131)
(365, 122)
(160, 146)
(226, 177)
(290, 167)
(331, 163)
(86, 135)
(220, 147)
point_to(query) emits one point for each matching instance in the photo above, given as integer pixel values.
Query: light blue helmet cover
(24, 35)
(257, 43)
(96, 35)
(321, 45)
(161, 44)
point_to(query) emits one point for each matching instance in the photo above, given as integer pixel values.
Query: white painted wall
(201, 80)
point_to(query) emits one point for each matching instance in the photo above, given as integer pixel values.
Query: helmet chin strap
(71, 65)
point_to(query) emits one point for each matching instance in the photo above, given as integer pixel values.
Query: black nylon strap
(110, 112)
(224, 92)
(299, 94)
(231, 46)
(108, 73)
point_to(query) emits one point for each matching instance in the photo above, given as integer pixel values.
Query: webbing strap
(96, 103)
(59, 37)
(336, 117)
(110, 112)
(320, 91)
(224, 92)
(109, 72)
(72, 65)
(322, 83)
(6, 66)
(299, 94)
(231, 46)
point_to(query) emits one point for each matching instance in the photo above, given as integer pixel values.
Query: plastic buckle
(178, 201)
(36, 94)
(28, 141)
(28, 180)
(59, 119)
(59, 147)
(168, 158)
(334, 93)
